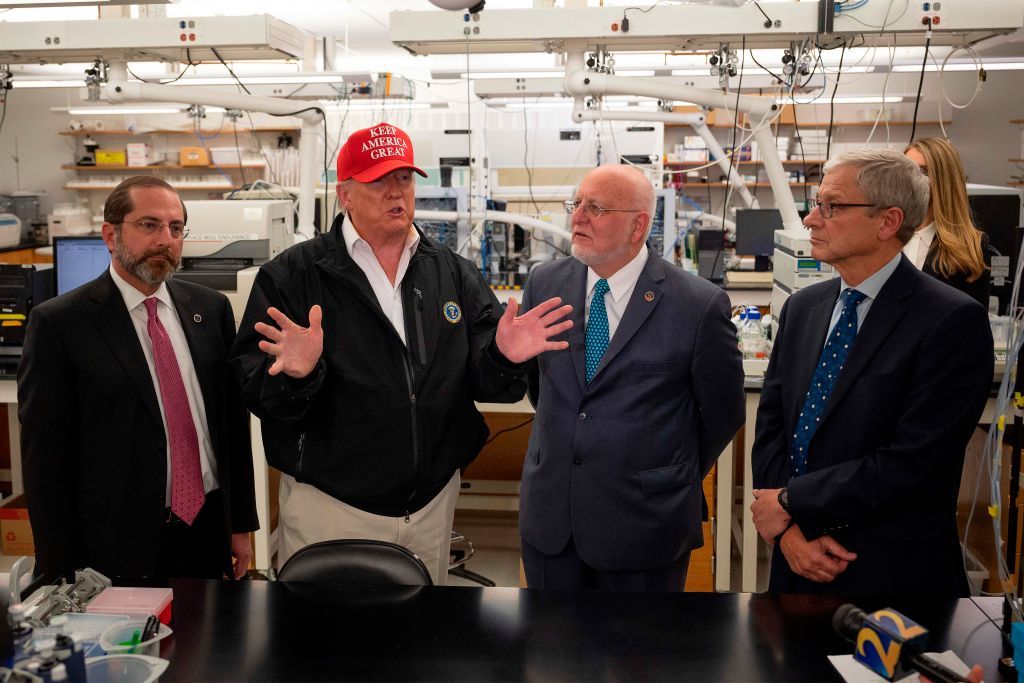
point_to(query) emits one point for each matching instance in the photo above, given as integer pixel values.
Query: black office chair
(355, 561)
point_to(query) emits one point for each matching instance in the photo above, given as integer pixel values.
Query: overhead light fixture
(66, 3)
(20, 83)
(262, 80)
(114, 111)
(378, 104)
(762, 72)
(961, 66)
(554, 73)
(844, 99)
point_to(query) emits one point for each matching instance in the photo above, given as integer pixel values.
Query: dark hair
(119, 204)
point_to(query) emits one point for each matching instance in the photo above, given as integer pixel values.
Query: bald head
(615, 206)
(637, 187)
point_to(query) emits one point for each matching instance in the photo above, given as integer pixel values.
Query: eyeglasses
(150, 227)
(828, 208)
(591, 210)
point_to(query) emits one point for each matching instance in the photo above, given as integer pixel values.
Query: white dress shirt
(917, 248)
(870, 288)
(134, 299)
(388, 295)
(620, 287)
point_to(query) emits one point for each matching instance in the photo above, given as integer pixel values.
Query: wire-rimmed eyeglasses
(592, 210)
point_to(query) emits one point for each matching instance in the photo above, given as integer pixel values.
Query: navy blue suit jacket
(883, 470)
(92, 435)
(618, 463)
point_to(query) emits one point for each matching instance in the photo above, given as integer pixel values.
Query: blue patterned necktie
(826, 372)
(597, 329)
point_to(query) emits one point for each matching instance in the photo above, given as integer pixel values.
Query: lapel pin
(198, 318)
(649, 296)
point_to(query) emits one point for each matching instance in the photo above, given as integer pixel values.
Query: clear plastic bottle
(752, 341)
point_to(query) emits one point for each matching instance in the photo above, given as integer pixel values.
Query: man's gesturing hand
(521, 337)
(296, 350)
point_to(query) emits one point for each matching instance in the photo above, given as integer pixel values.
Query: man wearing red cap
(363, 350)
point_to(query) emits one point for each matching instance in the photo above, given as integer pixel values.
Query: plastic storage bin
(112, 640)
(133, 602)
(124, 669)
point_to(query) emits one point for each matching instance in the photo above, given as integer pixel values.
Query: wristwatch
(784, 498)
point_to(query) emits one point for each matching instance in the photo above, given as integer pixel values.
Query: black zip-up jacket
(378, 425)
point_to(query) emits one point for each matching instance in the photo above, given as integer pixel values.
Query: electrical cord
(832, 104)
(920, 82)
(732, 158)
(526, 165)
(507, 430)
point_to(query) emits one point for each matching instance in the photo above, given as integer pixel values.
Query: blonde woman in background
(947, 245)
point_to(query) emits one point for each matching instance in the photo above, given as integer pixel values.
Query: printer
(229, 239)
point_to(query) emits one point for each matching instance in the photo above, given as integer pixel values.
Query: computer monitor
(755, 235)
(664, 233)
(999, 212)
(77, 260)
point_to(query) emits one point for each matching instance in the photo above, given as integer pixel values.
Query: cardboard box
(111, 157)
(193, 156)
(15, 530)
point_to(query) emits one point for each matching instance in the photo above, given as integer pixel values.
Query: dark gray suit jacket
(883, 470)
(92, 438)
(618, 463)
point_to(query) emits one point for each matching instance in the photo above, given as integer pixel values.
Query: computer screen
(755, 231)
(77, 260)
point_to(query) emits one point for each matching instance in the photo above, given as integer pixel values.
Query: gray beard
(588, 258)
(152, 273)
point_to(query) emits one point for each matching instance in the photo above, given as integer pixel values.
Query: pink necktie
(187, 494)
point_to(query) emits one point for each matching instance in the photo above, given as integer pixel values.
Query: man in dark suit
(134, 440)
(633, 417)
(875, 384)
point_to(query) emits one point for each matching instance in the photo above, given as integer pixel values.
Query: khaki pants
(308, 515)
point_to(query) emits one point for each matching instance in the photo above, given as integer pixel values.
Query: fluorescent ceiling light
(99, 111)
(844, 99)
(761, 72)
(539, 105)
(18, 83)
(260, 80)
(555, 73)
(373, 106)
(961, 66)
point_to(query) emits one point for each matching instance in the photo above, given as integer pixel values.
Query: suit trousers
(567, 570)
(308, 515)
(199, 551)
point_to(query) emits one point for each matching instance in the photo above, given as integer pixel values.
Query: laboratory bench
(276, 631)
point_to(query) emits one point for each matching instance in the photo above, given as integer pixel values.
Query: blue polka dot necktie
(826, 372)
(597, 329)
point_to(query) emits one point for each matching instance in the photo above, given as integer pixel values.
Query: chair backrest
(355, 561)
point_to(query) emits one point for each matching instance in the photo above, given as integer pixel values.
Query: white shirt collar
(352, 238)
(872, 285)
(133, 297)
(927, 234)
(624, 279)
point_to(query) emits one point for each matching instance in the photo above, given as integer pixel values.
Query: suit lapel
(645, 298)
(575, 293)
(885, 313)
(115, 326)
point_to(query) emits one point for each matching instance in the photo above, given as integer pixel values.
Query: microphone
(889, 644)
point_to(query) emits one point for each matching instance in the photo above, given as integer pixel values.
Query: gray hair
(889, 178)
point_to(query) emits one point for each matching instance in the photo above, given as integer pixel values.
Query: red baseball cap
(373, 152)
